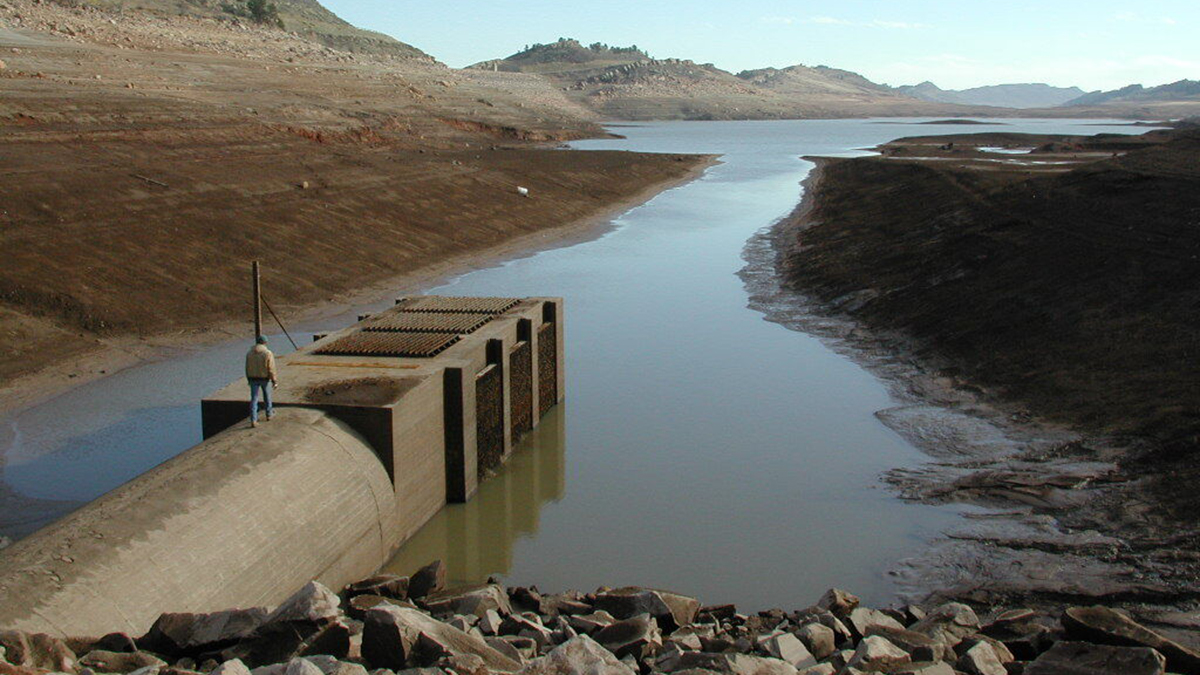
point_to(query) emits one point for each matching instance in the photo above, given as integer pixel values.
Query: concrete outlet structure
(377, 427)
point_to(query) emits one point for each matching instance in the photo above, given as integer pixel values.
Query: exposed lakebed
(699, 447)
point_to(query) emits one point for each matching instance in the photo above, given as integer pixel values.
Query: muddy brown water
(699, 448)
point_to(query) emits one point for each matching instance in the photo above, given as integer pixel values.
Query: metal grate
(382, 343)
(427, 322)
(445, 303)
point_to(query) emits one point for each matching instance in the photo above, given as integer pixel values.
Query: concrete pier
(377, 426)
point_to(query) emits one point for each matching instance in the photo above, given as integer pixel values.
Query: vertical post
(257, 300)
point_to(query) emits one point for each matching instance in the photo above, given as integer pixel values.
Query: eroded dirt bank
(148, 160)
(1036, 314)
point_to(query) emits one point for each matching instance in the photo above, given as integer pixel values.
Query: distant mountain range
(1136, 93)
(1033, 95)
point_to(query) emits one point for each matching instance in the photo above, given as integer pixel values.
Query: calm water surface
(699, 448)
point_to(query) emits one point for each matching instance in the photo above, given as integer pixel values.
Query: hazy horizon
(1093, 45)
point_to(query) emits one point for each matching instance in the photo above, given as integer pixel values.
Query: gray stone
(590, 623)
(314, 603)
(1106, 626)
(412, 671)
(395, 637)
(818, 638)
(877, 653)
(671, 610)
(735, 664)
(176, 634)
(474, 600)
(505, 647)
(638, 636)
(788, 647)
(838, 602)
(526, 646)
(463, 664)
(949, 623)
(301, 667)
(283, 641)
(819, 669)
(924, 668)
(231, 667)
(861, 620)
(119, 662)
(429, 579)
(919, 646)
(490, 622)
(1082, 658)
(981, 659)
(579, 656)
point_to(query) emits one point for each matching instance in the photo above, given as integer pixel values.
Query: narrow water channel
(699, 448)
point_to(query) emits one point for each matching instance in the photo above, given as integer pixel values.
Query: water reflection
(476, 539)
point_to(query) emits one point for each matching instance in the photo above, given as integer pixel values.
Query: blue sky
(1096, 45)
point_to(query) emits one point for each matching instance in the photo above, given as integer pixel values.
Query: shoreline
(1047, 521)
(124, 352)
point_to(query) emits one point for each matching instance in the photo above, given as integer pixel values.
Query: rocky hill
(307, 18)
(1183, 90)
(626, 83)
(565, 55)
(1035, 95)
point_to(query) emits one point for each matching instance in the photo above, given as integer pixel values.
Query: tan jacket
(260, 364)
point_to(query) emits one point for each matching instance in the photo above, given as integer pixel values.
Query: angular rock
(819, 669)
(7, 668)
(526, 646)
(638, 636)
(590, 623)
(861, 620)
(949, 623)
(395, 637)
(313, 603)
(410, 671)
(231, 667)
(578, 656)
(789, 648)
(1106, 626)
(474, 600)
(719, 612)
(1002, 652)
(924, 668)
(119, 662)
(301, 667)
(877, 653)
(281, 642)
(838, 602)
(1024, 632)
(115, 642)
(671, 610)
(818, 638)
(527, 625)
(981, 659)
(735, 664)
(505, 647)
(562, 604)
(359, 604)
(429, 579)
(37, 650)
(919, 646)
(1082, 658)
(490, 622)
(384, 585)
(179, 634)
(463, 664)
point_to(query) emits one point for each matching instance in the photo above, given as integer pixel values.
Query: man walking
(260, 372)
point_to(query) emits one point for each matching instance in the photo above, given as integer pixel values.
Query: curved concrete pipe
(242, 519)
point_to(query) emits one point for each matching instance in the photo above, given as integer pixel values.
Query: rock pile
(391, 625)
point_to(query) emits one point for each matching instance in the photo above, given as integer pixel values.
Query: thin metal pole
(257, 300)
(281, 326)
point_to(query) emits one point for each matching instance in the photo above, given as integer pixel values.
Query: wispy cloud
(1134, 17)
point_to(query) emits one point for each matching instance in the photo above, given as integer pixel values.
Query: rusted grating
(383, 343)
(446, 303)
(427, 322)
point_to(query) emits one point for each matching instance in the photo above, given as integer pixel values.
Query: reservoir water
(700, 447)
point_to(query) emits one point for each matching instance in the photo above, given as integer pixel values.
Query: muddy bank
(1034, 324)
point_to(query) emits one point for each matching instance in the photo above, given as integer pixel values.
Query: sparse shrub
(258, 11)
